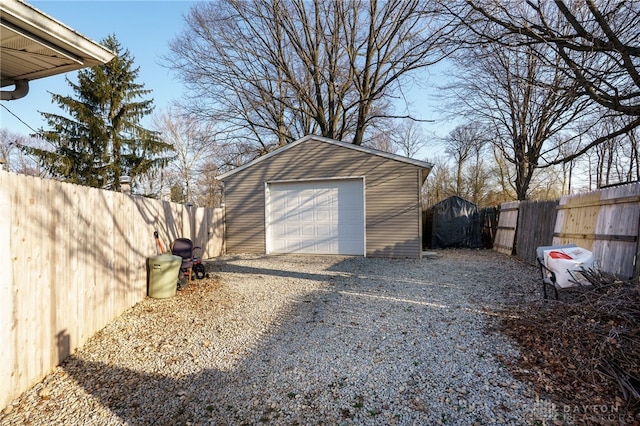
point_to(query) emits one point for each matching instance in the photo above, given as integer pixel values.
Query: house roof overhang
(424, 166)
(34, 45)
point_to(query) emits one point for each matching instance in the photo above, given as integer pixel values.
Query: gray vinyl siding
(392, 202)
(244, 217)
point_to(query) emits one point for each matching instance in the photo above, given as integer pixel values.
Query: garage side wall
(391, 195)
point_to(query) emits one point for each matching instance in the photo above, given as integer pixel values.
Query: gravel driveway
(305, 340)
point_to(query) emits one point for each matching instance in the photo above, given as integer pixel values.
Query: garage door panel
(325, 200)
(279, 229)
(324, 247)
(279, 202)
(322, 217)
(279, 246)
(326, 231)
(325, 215)
(306, 216)
(291, 231)
(308, 230)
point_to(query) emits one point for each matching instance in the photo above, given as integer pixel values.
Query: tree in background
(188, 175)
(464, 142)
(478, 176)
(502, 189)
(594, 44)
(470, 171)
(16, 158)
(209, 188)
(592, 47)
(101, 139)
(409, 138)
(438, 185)
(528, 105)
(382, 140)
(616, 159)
(406, 138)
(278, 70)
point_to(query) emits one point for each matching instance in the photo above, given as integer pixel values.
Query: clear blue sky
(145, 28)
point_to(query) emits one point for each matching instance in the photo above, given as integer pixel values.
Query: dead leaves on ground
(585, 350)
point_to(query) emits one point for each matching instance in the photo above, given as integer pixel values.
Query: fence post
(125, 184)
(190, 211)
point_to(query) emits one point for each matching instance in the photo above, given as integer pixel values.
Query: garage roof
(425, 166)
(34, 45)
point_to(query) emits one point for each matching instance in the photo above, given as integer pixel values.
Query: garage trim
(267, 191)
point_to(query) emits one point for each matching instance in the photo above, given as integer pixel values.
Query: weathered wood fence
(507, 224)
(606, 222)
(74, 258)
(536, 220)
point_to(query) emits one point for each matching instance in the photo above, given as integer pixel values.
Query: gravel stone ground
(304, 340)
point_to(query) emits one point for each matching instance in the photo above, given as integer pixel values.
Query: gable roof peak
(323, 139)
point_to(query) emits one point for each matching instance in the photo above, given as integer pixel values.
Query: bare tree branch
(596, 40)
(277, 70)
(630, 126)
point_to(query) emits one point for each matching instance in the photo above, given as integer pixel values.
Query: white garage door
(319, 217)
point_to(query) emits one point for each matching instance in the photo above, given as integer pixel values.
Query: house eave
(34, 45)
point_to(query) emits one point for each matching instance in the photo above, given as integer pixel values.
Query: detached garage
(323, 196)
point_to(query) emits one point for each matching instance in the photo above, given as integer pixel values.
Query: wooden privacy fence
(74, 259)
(605, 222)
(536, 220)
(507, 224)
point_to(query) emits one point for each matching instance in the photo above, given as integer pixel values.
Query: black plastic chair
(183, 247)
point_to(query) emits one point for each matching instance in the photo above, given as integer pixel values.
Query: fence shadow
(238, 384)
(78, 260)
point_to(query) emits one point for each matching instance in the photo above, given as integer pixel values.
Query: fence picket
(506, 231)
(536, 220)
(7, 288)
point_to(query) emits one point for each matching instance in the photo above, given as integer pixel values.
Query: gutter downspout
(21, 90)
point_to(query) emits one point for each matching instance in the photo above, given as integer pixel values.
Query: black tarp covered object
(453, 223)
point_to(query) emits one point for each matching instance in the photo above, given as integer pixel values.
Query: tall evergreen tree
(101, 139)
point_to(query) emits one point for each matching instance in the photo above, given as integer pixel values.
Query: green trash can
(163, 275)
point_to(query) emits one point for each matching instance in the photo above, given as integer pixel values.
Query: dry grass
(585, 351)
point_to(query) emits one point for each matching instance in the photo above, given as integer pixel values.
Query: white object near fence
(567, 262)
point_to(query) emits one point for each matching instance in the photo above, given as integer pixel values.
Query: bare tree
(617, 157)
(528, 104)
(478, 173)
(17, 160)
(277, 70)
(462, 143)
(478, 181)
(8, 148)
(406, 138)
(210, 193)
(503, 178)
(595, 44)
(409, 137)
(567, 168)
(382, 141)
(438, 184)
(485, 183)
(634, 156)
(194, 145)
